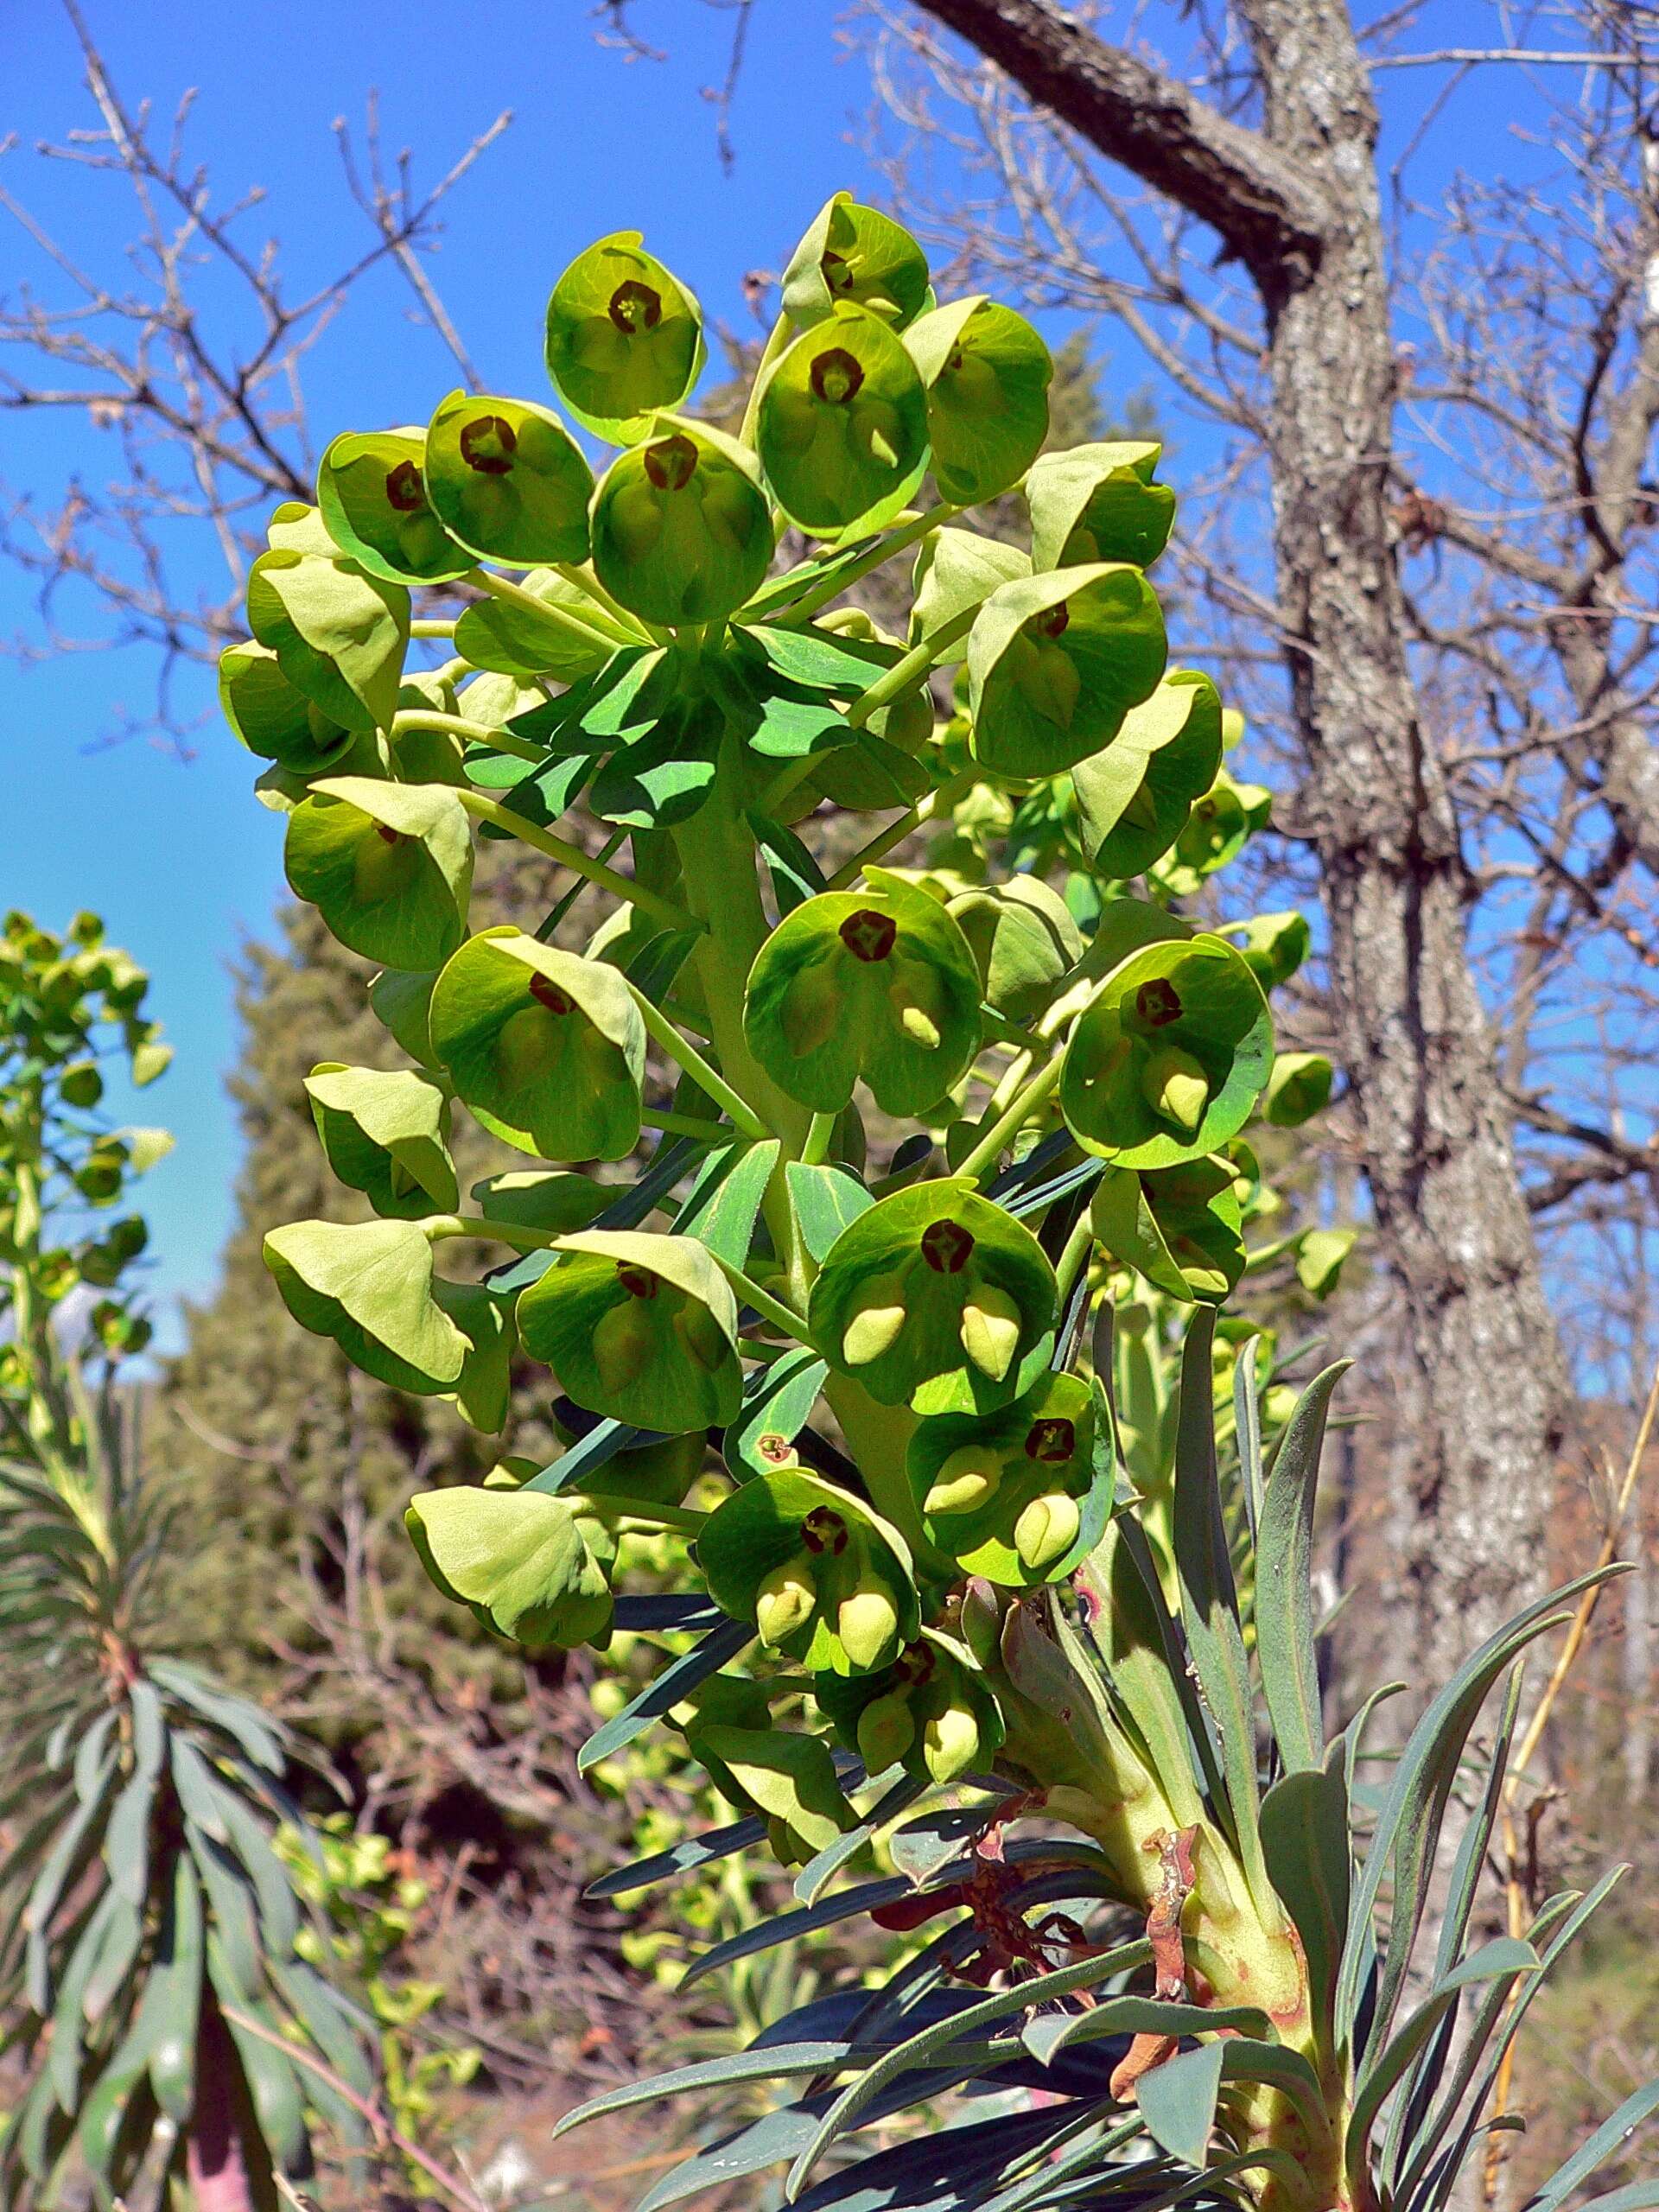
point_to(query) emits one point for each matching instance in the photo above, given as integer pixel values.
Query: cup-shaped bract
(1024, 939)
(546, 1049)
(987, 371)
(682, 531)
(1098, 503)
(931, 1712)
(389, 866)
(1019, 1495)
(1170, 1058)
(1220, 823)
(824, 1579)
(368, 1284)
(507, 479)
(855, 254)
(385, 1132)
(527, 1564)
(788, 1779)
(624, 338)
(937, 1299)
(1134, 796)
(841, 430)
(275, 719)
(338, 635)
(879, 983)
(541, 1197)
(1056, 662)
(1274, 945)
(372, 498)
(638, 1327)
(1298, 1088)
(1179, 1227)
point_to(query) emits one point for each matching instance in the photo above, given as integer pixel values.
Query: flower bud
(1176, 1088)
(875, 1327)
(786, 1600)
(623, 1340)
(1047, 1529)
(866, 1621)
(886, 1732)
(967, 1480)
(990, 1331)
(951, 1742)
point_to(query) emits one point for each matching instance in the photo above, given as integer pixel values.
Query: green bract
(369, 1286)
(826, 1580)
(640, 1327)
(624, 338)
(338, 635)
(937, 1299)
(1170, 1056)
(388, 866)
(546, 1049)
(1133, 797)
(275, 718)
(931, 1712)
(842, 426)
(879, 983)
(680, 529)
(528, 1564)
(507, 479)
(790, 1780)
(1098, 503)
(855, 254)
(1056, 662)
(1018, 1496)
(385, 1134)
(1179, 1227)
(373, 499)
(986, 373)
(1298, 1088)
(1024, 941)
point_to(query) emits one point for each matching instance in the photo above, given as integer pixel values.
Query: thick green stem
(928, 805)
(1008, 1123)
(896, 541)
(696, 1067)
(918, 663)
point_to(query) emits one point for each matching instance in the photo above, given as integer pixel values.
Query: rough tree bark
(1297, 201)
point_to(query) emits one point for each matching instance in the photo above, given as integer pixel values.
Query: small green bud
(968, 1480)
(885, 1731)
(866, 1621)
(990, 1331)
(951, 1742)
(1176, 1088)
(875, 1327)
(81, 1085)
(1047, 1529)
(786, 1600)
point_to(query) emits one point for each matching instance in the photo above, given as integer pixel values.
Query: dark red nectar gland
(404, 490)
(1053, 621)
(946, 1247)
(550, 996)
(639, 1282)
(1158, 1003)
(1053, 1440)
(387, 834)
(635, 306)
(487, 445)
(868, 936)
(837, 376)
(824, 1530)
(671, 463)
(775, 1450)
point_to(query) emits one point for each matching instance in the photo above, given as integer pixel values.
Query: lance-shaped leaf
(1018, 1496)
(1098, 503)
(338, 635)
(524, 1563)
(1055, 663)
(986, 373)
(507, 479)
(1179, 1227)
(369, 1286)
(547, 1049)
(1298, 1088)
(843, 425)
(1024, 940)
(624, 338)
(879, 983)
(1134, 797)
(275, 719)
(385, 1133)
(789, 1778)
(637, 1327)
(389, 866)
(931, 1712)
(1170, 1056)
(373, 501)
(938, 1298)
(681, 529)
(823, 1577)
(855, 254)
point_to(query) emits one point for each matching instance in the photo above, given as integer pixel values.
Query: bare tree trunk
(1297, 201)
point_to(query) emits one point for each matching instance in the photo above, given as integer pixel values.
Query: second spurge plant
(1081, 1068)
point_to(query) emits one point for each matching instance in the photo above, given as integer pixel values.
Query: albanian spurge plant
(962, 1582)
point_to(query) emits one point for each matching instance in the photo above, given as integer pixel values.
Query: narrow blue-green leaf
(1178, 2102)
(1305, 1841)
(1049, 2033)
(193, 1780)
(761, 2062)
(259, 1737)
(126, 1836)
(822, 1869)
(675, 1682)
(826, 1200)
(777, 1401)
(1284, 1606)
(124, 1932)
(796, 875)
(1246, 1422)
(683, 1858)
(785, 1927)
(723, 1203)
